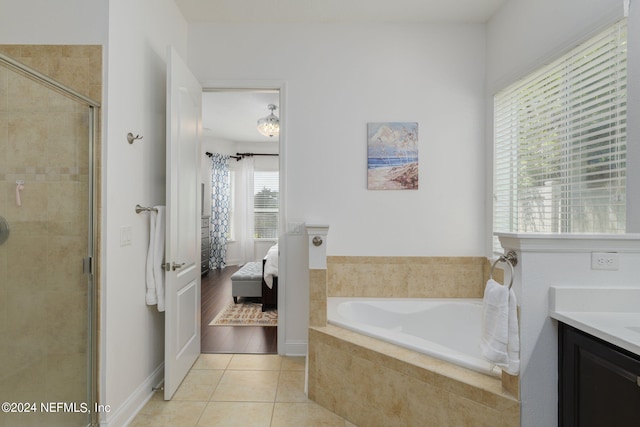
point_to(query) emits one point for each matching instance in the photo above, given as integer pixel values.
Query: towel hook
(510, 258)
(131, 137)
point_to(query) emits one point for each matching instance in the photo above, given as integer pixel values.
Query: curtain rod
(240, 156)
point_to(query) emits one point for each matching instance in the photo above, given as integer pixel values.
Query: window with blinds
(560, 143)
(266, 204)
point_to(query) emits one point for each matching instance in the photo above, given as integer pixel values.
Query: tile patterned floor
(239, 390)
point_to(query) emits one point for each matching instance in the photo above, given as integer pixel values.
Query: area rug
(245, 314)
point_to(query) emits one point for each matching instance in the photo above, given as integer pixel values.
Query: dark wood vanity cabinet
(598, 382)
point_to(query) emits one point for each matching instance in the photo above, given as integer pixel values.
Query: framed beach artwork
(392, 150)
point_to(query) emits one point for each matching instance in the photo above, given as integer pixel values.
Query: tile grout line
(275, 396)
(204, 409)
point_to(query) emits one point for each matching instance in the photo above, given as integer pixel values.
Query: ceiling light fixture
(270, 125)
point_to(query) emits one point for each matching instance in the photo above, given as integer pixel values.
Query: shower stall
(48, 222)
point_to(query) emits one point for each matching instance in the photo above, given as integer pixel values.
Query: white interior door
(182, 253)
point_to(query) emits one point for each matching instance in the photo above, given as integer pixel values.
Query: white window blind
(560, 143)
(266, 204)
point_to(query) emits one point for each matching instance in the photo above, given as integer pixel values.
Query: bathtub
(447, 329)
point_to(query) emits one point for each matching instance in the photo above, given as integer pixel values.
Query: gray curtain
(220, 195)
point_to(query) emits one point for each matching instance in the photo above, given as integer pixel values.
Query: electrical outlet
(604, 260)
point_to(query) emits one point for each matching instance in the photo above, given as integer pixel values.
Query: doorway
(230, 117)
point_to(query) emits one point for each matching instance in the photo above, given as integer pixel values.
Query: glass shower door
(46, 289)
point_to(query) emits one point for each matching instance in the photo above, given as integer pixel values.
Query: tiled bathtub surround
(407, 277)
(317, 297)
(371, 382)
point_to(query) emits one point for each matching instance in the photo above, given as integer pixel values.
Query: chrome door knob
(172, 266)
(175, 266)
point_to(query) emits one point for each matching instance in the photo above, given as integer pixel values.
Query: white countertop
(611, 314)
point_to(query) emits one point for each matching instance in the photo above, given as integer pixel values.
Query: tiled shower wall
(77, 67)
(43, 291)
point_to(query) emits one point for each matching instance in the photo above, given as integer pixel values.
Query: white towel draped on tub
(155, 256)
(500, 342)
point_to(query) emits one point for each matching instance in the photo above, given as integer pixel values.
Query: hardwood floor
(216, 294)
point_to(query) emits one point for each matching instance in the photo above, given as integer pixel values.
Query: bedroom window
(560, 143)
(266, 204)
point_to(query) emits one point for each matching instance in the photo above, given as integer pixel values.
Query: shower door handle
(4, 230)
(87, 265)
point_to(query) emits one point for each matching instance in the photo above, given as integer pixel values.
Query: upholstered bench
(247, 282)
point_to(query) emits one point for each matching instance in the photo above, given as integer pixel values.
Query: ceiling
(233, 115)
(303, 11)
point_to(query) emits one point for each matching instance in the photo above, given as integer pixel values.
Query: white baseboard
(123, 415)
(295, 348)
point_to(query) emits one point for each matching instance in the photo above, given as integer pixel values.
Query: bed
(270, 279)
(258, 280)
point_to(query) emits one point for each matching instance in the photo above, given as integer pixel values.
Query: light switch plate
(295, 227)
(126, 233)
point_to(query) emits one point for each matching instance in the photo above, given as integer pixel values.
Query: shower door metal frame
(89, 263)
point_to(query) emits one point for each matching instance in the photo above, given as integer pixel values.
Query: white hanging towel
(150, 297)
(500, 342)
(158, 256)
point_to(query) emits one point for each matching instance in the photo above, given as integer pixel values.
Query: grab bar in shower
(510, 258)
(145, 209)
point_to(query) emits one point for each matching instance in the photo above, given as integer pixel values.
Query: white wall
(133, 335)
(344, 76)
(337, 78)
(523, 35)
(50, 22)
